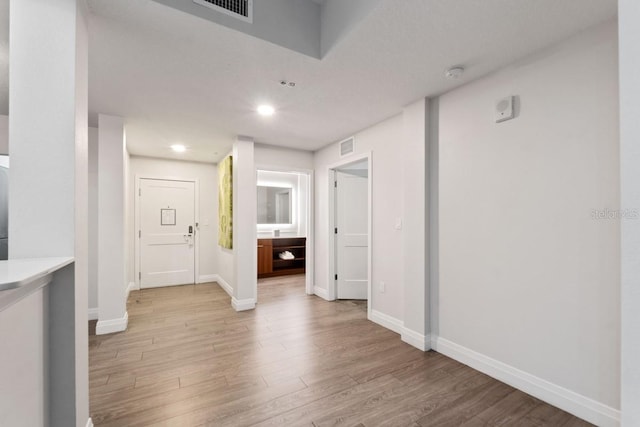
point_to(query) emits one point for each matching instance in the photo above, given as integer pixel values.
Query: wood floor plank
(189, 359)
(545, 415)
(509, 410)
(291, 401)
(339, 405)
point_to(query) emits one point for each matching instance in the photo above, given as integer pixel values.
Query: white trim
(89, 422)
(331, 250)
(567, 400)
(132, 287)
(196, 219)
(411, 337)
(243, 304)
(386, 321)
(93, 313)
(112, 325)
(322, 293)
(224, 284)
(416, 339)
(206, 278)
(309, 251)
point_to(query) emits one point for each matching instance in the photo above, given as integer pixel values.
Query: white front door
(352, 205)
(167, 232)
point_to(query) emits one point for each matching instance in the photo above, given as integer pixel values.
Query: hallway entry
(166, 232)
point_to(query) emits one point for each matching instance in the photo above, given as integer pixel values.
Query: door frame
(137, 223)
(331, 173)
(309, 252)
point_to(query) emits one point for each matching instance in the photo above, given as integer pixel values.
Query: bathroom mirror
(274, 205)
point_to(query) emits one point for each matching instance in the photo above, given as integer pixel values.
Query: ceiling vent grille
(347, 147)
(241, 9)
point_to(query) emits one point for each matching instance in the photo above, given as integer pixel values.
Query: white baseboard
(567, 400)
(112, 325)
(89, 422)
(419, 341)
(206, 278)
(93, 313)
(243, 304)
(223, 284)
(416, 339)
(322, 293)
(386, 321)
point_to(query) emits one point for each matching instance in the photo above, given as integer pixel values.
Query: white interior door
(167, 233)
(352, 207)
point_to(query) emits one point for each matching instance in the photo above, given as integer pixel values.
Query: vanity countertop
(20, 277)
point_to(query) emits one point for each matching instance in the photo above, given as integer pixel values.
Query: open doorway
(350, 230)
(284, 224)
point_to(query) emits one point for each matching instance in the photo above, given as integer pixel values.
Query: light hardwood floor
(188, 359)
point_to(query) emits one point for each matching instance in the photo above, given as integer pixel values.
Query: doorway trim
(137, 223)
(309, 251)
(331, 174)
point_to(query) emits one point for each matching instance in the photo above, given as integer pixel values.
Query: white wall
(527, 276)
(270, 157)
(207, 177)
(629, 36)
(4, 134)
(382, 140)
(93, 222)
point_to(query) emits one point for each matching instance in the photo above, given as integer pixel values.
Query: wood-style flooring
(188, 359)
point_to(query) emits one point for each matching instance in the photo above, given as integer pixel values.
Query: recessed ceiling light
(266, 110)
(178, 148)
(454, 73)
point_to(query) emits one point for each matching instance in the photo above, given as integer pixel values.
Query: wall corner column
(415, 148)
(48, 96)
(244, 225)
(629, 68)
(112, 182)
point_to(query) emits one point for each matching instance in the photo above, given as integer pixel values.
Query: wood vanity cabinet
(269, 262)
(265, 255)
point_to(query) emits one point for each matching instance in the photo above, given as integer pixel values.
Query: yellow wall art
(225, 203)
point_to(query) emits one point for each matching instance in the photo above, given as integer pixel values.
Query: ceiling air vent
(241, 9)
(347, 147)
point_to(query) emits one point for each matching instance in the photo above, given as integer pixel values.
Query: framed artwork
(225, 203)
(167, 217)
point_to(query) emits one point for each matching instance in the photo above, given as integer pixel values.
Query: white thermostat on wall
(504, 109)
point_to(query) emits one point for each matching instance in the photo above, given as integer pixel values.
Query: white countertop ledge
(20, 277)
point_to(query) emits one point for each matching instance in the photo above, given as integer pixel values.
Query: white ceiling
(178, 78)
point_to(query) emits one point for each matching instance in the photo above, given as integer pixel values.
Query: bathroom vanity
(270, 264)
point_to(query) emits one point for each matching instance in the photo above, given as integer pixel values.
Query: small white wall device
(504, 109)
